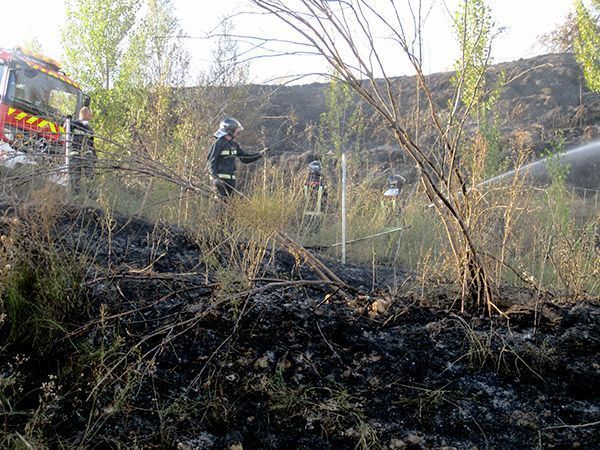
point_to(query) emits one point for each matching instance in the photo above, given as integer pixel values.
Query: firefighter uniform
(315, 195)
(391, 201)
(221, 163)
(82, 157)
(315, 198)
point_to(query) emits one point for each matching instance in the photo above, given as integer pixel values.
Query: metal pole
(596, 210)
(68, 152)
(344, 208)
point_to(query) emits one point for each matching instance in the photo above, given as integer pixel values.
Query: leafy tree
(96, 38)
(161, 63)
(473, 27)
(162, 59)
(562, 38)
(128, 53)
(557, 192)
(342, 124)
(587, 42)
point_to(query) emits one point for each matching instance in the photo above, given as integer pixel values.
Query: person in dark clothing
(82, 156)
(315, 199)
(315, 193)
(223, 154)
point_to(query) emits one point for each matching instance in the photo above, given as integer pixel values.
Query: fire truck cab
(36, 97)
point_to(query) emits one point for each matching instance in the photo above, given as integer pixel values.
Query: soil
(171, 352)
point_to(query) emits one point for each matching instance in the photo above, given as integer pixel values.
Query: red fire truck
(36, 97)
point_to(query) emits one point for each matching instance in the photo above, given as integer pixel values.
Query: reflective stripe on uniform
(226, 176)
(229, 153)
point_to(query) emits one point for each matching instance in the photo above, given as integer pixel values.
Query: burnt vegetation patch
(152, 345)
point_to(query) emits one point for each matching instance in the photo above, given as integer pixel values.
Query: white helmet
(314, 167)
(228, 126)
(395, 180)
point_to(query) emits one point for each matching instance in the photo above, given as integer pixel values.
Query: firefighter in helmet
(82, 157)
(391, 195)
(223, 154)
(315, 193)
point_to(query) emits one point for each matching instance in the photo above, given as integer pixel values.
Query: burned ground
(165, 349)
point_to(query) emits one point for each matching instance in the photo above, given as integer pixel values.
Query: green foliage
(163, 60)
(587, 42)
(162, 63)
(95, 40)
(557, 192)
(125, 59)
(41, 286)
(473, 27)
(342, 124)
(38, 298)
(98, 47)
(489, 127)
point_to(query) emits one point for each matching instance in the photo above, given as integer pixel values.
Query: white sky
(525, 21)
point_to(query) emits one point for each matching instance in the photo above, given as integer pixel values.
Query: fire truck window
(30, 73)
(42, 94)
(10, 89)
(64, 102)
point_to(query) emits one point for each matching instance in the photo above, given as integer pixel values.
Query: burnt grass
(166, 350)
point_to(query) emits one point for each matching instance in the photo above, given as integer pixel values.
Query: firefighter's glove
(264, 151)
(218, 182)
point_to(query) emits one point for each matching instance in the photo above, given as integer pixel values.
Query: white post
(344, 208)
(68, 144)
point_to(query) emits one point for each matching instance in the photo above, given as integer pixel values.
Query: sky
(524, 22)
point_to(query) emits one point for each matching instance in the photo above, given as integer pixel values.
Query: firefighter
(222, 155)
(391, 195)
(315, 193)
(82, 157)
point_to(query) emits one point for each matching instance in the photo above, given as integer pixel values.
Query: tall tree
(158, 44)
(95, 39)
(562, 38)
(587, 42)
(160, 63)
(474, 29)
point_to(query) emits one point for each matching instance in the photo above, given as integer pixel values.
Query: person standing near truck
(82, 157)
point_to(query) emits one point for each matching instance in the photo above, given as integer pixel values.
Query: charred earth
(148, 341)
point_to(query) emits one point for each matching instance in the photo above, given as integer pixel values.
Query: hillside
(544, 95)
